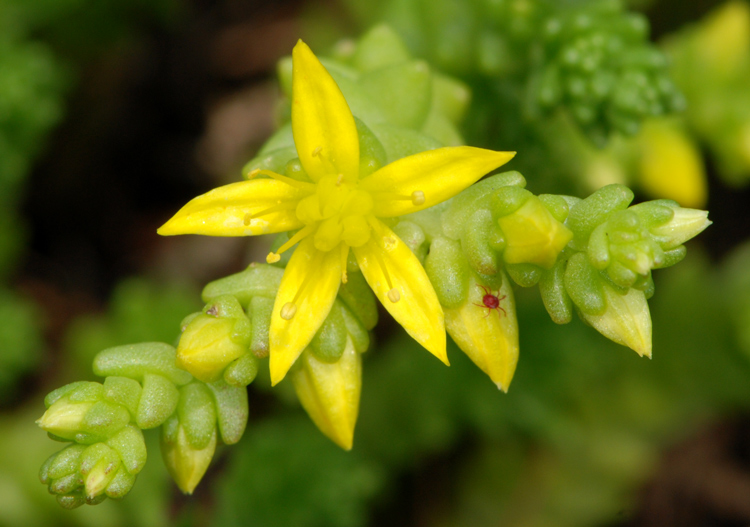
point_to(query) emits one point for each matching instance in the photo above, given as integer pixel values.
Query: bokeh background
(114, 113)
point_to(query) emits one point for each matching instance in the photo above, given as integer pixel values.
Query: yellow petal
(310, 284)
(330, 393)
(488, 336)
(322, 124)
(233, 210)
(387, 264)
(436, 174)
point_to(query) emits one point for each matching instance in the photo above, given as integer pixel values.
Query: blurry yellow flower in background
(336, 211)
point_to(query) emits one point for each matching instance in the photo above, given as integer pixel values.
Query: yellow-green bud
(533, 235)
(626, 319)
(330, 393)
(64, 419)
(212, 340)
(185, 463)
(684, 225)
(486, 329)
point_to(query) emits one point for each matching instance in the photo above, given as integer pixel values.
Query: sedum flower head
(336, 211)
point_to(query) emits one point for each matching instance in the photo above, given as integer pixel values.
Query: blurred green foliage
(139, 310)
(43, 44)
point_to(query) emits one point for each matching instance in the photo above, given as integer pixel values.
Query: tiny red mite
(491, 301)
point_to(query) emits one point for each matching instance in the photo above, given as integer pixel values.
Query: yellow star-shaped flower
(337, 212)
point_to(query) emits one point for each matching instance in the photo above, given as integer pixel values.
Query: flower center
(336, 213)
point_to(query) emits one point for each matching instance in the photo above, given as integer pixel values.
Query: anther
(273, 258)
(393, 295)
(389, 242)
(254, 173)
(288, 310)
(417, 198)
(246, 219)
(318, 150)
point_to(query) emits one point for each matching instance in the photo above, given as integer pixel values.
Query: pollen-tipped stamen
(344, 258)
(288, 310)
(417, 197)
(270, 210)
(392, 294)
(274, 257)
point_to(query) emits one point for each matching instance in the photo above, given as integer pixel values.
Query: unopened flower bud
(533, 235)
(64, 419)
(214, 339)
(684, 225)
(486, 329)
(330, 393)
(185, 463)
(626, 319)
(670, 164)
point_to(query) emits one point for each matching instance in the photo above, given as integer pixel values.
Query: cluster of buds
(592, 59)
(605, 272)
(494, 232)
(595, 254)
(108, 451)
(600, 66)
(327, 376)
(143, 388)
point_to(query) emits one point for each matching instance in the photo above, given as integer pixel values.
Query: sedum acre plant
(373, 197)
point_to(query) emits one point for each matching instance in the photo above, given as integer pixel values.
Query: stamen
(283, 179)
(417, 198)
(273, 258)
(309, 229)
(339, 180)
(392, 291)
(393, 295)
(344, 258)
(269, 210)
(288, 311)
(317, 151)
